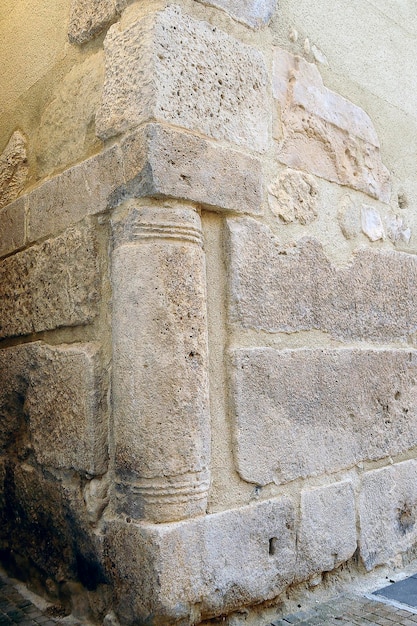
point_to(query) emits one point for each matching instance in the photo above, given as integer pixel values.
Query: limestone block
(89, 17)
(59, 392)
(371, 223)
(306, 412)
(163, 161)
(349, 217)
(288, 288)
(388, 513)
(173, 68)
(293, 197)
(251, 12)
(66, 128)
(324, 133)
(160, 379)
(327, 533)
(200, 568)
(12, 227)
(13, 168)
(78, 192)
(52, 284)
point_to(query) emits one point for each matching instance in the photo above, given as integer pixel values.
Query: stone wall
(208, 319)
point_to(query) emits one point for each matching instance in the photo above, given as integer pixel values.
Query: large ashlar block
(173, 68)
(327, 533)
(289, 288)
(307, 412)
(12, 227)
(160, 379)
(254, 13)
(388, 513)
(50, 285)
(323, 133)
(60, 393)
(203, 567)
(89, 17)
(14, 168)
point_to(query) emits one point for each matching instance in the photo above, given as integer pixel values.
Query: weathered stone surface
(388, 513)
(254, 13)
(293, 197)
(162, 161)
(397, 229)
(327, 533)
(288, 288)
(73, 108)
(349, 216)
(13, 168)
(199, 568)
(12, 227)
(89, 17)
(305, 412)
(59, 393)
(371, 223)
(160, 378)
(76, 193)
(50, 285)
(324, 133)
(173, 68)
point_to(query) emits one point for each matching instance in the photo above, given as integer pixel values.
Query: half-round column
(160, 364)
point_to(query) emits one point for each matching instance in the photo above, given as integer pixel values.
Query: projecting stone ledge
(323, 133)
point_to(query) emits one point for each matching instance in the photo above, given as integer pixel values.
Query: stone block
(388, 513)
(173, 68)
(166, 162)
(251, 12)
(13, 168)
(307, 412)
(289, 288)
(59, 393)
(200, 568)
(12, 227)
(50, 285)
(89, 17)
(78, 192)
(323, 133)
(293, 197)
(327, 533)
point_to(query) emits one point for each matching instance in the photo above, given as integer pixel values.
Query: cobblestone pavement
(351, 610)
(15, 609)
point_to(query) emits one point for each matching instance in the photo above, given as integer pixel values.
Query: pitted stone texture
(162, 161)
(13, 168)
(388, 513)
(203, 567)
(324, 133)
(288, 288)
(59, 392)
(327, 533)
(173, 68)
(254, 13)
(90, 17)
(12, 227)
(293, 197)
(306, 412)
(50, 285)
(76, 193)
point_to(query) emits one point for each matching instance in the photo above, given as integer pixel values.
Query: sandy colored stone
(162, 161)
(388, 513)
(80, 191)
(288, 288)
(307, 412)
(371, 223)
(323, 133)
(173, 68)
(327, 533)
(50, 285)
(12, 226)
(203, 567)
(293, 197)
(67, 127)
(160, 379)
(349, 217)
(13, 168)
(254, 13)
(89, 17)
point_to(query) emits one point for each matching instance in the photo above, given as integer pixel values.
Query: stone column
(160, 373)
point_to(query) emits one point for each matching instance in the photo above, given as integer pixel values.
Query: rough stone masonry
(208, 296)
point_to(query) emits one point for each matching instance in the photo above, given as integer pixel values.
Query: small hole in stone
(402, 200)
(272, 546)
(128, 520)
(397, 395)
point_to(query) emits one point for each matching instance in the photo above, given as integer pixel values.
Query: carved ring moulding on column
(160, 380)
